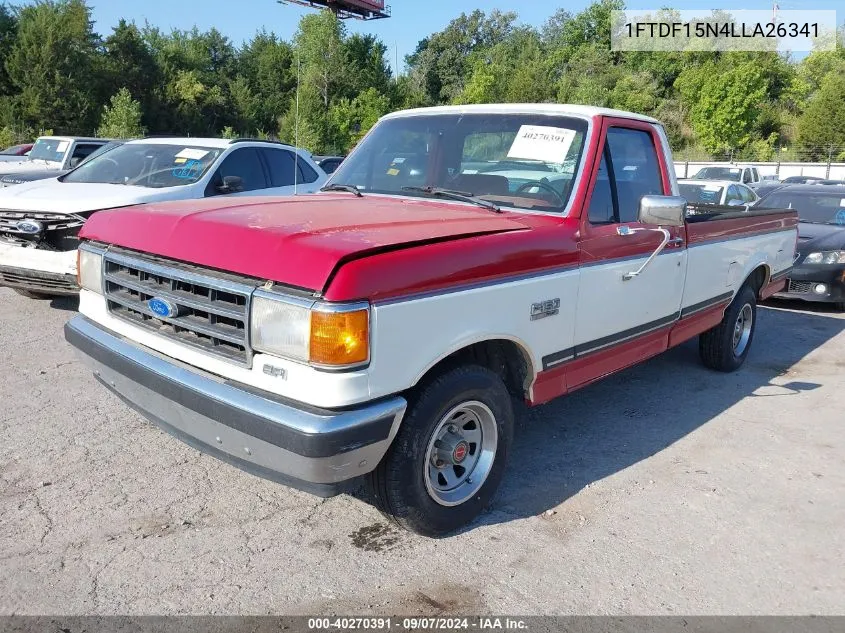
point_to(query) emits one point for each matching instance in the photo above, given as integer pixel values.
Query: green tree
(820, 129)
(51, 66)
(122, 117)
(728, 106)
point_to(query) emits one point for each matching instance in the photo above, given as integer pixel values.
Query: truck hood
(295, 241)
(14, 166)
(52, 196)
(29, 175)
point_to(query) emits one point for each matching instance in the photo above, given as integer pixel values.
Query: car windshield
(523, 161)
(49, 149)
(817, 208)
(719, 173)
(701, 194)
(147, 165)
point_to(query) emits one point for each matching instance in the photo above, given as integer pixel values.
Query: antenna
(296, 129)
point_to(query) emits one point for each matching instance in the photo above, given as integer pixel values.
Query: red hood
(295, 241)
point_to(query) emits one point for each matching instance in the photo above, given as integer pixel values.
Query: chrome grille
(51, 221)
(212, 312)
(800, 287)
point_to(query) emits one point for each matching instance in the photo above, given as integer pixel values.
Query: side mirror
(662, 210)
(74, 162)
(231, 184)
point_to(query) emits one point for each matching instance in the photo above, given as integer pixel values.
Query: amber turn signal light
(340, 339)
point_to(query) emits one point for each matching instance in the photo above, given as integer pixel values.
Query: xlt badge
(543, 309)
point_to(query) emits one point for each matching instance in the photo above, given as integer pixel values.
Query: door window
(243, 163)
(629, 170)
(81, 152)
(306, 174)
(282, 167)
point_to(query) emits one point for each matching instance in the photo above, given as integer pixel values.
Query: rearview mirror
(662, 210)
(231, 184)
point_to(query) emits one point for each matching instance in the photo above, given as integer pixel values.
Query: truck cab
(463, 262)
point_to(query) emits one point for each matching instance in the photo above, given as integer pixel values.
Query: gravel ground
(667, 489)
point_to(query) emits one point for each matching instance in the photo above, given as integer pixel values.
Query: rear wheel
(31, 294)
(449, 456)
(725, 347)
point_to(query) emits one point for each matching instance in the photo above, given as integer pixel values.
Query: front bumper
(804, 279)
(311, 449)
(50, 272)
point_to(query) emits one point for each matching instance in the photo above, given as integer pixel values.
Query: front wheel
(449, 456)
(725, 347)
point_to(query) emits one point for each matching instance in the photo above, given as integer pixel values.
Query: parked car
(386, 329)
(59, 153)
(722, 192)
(15, 153)
(40, 173)
(819, 268)
(329, 163)
(39, 221)
(802, 180)
(746, 174)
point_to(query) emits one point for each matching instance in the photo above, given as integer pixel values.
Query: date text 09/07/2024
(721, 30)
(417, 624)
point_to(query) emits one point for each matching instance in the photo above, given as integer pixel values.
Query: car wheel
(725, 347)
(449, 455)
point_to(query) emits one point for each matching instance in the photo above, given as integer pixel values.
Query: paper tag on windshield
(540, 142)
(842, 203)
(62, 147)
(193, 154)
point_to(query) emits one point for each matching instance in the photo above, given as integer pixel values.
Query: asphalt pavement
(666, 489)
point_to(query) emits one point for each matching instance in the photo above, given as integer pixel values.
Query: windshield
(147, 165)
(522, 161)
(50, 149)
(701, 194)
(819, 208)
(719, 173)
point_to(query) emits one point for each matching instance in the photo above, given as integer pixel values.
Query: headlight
(826, 257)
(89, 269)
(325, 335)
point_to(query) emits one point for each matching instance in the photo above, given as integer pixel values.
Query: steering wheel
(543, 185)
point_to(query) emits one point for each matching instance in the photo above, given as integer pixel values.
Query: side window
(81, 152)
(635, 170)
(746, 175)
(602, 207)
(755, 175)
(306, 174)
(282, 167)
(747, 195)
(733, 195)
(244, 164)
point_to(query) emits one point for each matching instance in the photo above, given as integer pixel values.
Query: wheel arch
(758, 276)
(507, 355)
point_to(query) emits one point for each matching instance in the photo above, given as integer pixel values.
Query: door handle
(678, 241)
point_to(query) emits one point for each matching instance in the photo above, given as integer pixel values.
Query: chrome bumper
(303, 447)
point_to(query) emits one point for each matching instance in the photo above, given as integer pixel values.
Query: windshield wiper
(342, 187)
(463, 196)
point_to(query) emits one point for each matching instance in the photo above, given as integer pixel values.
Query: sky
(411, 21)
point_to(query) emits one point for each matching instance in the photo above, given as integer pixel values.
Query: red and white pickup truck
(467, 259)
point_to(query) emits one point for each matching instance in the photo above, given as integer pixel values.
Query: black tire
(32, 294)
(398, 485)
(716, 346)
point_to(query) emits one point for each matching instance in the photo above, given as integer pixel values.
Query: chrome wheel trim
(742, 329)
(472, 425)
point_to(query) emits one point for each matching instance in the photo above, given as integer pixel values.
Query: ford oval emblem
(162, 308)
(30, 227)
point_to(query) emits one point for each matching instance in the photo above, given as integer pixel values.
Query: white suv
(39, 221)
